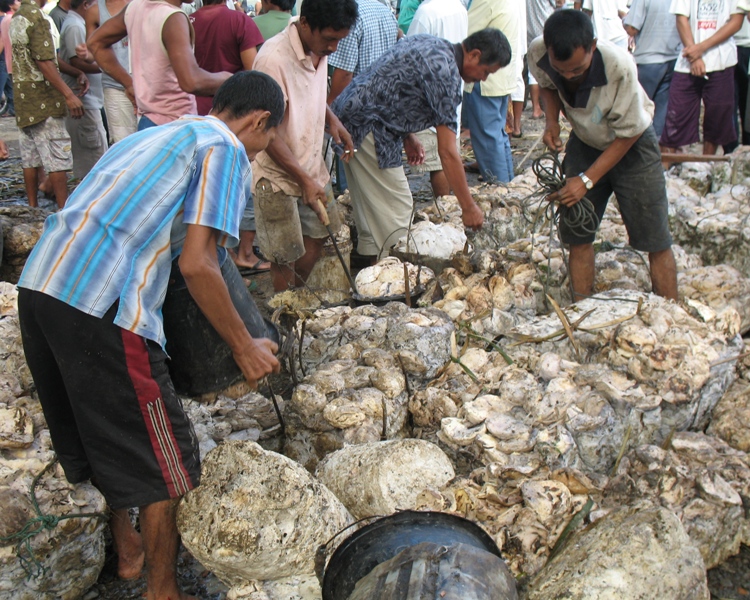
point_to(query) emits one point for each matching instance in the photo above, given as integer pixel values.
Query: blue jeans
(655, 80)
(6, 84)
(485, 117)
(144, 123)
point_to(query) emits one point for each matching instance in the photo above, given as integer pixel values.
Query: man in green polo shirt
(274, 17)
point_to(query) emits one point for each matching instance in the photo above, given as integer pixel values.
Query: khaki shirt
(31, 38)
(502, 15)
(305, 88)
(609, 104)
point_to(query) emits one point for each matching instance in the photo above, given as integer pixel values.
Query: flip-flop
(254, 270)
(471, 167)
(517, 135)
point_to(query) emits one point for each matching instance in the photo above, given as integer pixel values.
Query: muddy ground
(729, 581)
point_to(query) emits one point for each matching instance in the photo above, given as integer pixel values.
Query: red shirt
(221, 34)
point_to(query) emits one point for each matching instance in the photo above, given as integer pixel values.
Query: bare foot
(537, 115)
(130, 566)
(128, 545)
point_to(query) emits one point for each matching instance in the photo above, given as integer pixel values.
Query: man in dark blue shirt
(414, 86)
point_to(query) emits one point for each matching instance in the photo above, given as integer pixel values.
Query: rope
(581, 216)
(36, 525)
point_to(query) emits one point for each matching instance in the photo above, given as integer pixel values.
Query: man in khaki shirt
(612, 147)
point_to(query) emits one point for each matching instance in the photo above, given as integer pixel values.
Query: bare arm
(92, 19)
(631, 31)
(200, 268)
(695, 51)
(100, 43)
(51, 74)
(552, 108)
(83, 65)
(192, 79)
(684, 30)
(339, 80)
(279, 151)
(248, 58)
(471, 215)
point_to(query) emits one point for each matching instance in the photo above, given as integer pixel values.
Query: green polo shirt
(272, 22)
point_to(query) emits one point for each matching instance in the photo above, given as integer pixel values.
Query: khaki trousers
(381, 199)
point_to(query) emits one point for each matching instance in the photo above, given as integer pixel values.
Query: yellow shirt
(502, 15)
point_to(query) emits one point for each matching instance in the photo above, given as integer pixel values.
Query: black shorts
(109, 403)
(638, 184)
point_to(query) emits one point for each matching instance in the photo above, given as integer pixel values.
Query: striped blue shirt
(127, 220)
(373, 33)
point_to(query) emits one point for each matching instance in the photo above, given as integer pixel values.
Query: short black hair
(283, 5)
(336, 14)
(566, 30)
(4, 6)
(74, 4)
(493, 45)
(247, 91)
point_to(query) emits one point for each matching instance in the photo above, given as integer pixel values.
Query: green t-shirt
(272, 22)
(406, 14)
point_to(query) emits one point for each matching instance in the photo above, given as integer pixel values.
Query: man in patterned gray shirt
(413, 86)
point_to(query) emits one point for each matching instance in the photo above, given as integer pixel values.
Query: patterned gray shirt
(413, 86)
(537, 13)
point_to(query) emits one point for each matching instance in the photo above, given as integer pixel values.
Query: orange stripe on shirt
(113, 219)
(205, 181)
(150, 266)
(77, 231)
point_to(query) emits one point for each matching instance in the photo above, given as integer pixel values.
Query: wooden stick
(681, 158)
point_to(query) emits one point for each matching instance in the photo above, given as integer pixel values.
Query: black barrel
(382, 540)
(200, 360)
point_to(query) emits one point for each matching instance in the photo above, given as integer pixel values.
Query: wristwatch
(586, 181)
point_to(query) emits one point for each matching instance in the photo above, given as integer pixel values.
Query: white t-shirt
(706, 18)
(446, 19)
(607, 22)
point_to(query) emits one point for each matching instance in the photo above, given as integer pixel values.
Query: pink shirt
(305, 89)
(5, 39)
(157, 91)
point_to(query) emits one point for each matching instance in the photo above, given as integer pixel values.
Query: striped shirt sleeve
(217, 194)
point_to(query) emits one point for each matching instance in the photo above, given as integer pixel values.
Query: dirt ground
(729, 581)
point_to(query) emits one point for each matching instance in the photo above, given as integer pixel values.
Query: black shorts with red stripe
(110, 405)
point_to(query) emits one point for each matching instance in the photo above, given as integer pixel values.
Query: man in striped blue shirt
(90, 310)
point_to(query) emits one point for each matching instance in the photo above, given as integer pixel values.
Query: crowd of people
(159, 108)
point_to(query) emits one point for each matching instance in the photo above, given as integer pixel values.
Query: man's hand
(311, 194)
(693, 52)
(4, 154)
(75, 106)
(698, 68)
(551, 137)
(83, 85)
(83, 52)
(340, 135)
(571, 193)
(414, 150)
(472, 216)
(256, 360)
